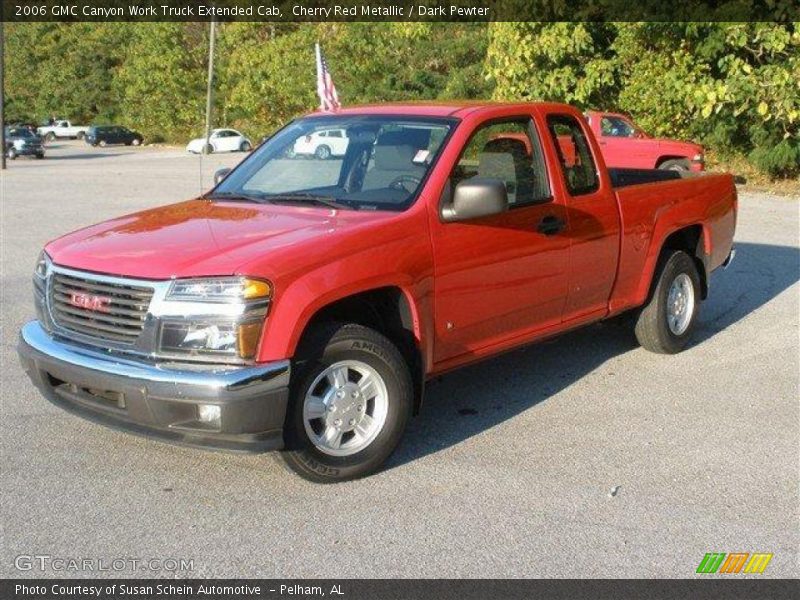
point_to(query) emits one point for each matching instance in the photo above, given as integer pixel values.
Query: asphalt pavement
(585, 456)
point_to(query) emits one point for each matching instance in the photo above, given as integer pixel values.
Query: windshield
(359, 162)
(19, 132)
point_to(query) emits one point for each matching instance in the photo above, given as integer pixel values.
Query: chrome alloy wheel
(345, 408)
(680, 304)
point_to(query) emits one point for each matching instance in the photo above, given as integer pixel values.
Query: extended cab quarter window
(506, 151)
(574, 155)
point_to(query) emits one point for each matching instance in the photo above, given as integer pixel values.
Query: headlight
(19, 143)
(698, 158)
(231, 329)
(223, 289)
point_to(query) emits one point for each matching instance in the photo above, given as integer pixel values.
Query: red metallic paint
(497, 281)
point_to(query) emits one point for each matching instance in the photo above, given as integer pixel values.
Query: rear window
(577, 164)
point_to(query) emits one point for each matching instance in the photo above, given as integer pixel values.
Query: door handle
(550, 225)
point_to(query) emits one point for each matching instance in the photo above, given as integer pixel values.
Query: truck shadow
(474, 399)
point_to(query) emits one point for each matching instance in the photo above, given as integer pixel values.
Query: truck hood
(199, 238)
(678, 147)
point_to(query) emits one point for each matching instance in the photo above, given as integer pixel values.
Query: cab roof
(457, 109)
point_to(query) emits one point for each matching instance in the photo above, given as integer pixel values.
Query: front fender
(403, 263)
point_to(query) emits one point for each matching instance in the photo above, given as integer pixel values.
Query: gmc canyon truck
(302, 305)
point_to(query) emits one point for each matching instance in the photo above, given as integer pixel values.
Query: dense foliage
(734, 87)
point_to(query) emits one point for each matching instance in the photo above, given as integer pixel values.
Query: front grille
(122, 318)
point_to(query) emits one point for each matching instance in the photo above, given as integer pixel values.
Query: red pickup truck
(624, 144)
(303, 302)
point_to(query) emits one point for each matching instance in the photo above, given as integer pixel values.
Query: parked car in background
(322, 144)
(102, 135)
(303, 304)
(20, 141)
(32, 127)
(62, 129)
(625, 145)
(222, 140)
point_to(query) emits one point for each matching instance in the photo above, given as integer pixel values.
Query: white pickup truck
(62, 130)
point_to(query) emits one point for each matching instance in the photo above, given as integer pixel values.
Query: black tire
(50, 137)
(102, 143)
(652, 328)
(136, 142)
(81, 135)
(245, 147)
(208, 149)
(322, 152)
(676, 164)
(40, 156)
(326, 345)
(11, 153)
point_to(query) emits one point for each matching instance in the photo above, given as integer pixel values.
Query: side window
(506, 151)
(576, 159)
(616, 127)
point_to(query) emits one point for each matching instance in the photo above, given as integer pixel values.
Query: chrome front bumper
(161, 400)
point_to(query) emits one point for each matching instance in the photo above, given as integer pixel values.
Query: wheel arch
(391, 311)
(692, 239)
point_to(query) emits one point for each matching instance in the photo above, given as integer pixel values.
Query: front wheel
(81, 135)
(667, 321)
(103, 143)
(12, 154)
(680, 165)
(136, 141)
(323, 152)
(351, 398)
(50, 137)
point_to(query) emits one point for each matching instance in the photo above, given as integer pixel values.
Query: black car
(101, 135)
(20, 141)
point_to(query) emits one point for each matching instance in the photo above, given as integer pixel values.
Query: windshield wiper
(237, 196)
(306, 197)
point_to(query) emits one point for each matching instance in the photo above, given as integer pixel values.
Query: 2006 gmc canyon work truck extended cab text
(303, 302)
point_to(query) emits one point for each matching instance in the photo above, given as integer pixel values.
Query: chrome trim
(730, 258)
(146, 344)
(218, 378)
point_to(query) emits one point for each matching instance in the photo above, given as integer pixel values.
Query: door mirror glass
(477, 197)
(220, 175)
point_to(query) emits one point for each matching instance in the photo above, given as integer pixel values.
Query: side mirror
(220, 175)
(476, 197)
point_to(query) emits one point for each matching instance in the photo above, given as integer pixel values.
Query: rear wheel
(136, 141)
(667, 321)
(245, 147)
(50, 137)
(102, 143)
(677, 164)
(351, 398)
(81, 135)
(40, 155)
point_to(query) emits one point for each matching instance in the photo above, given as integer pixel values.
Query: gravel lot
(507, 472)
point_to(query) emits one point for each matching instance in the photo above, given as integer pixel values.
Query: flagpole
(210, 88)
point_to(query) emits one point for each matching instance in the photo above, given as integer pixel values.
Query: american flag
(328, 99)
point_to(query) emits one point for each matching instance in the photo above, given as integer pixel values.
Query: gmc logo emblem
(89, 302)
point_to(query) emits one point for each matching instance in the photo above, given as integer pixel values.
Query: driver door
(502, 276)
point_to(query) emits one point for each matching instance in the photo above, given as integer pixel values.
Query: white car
(322, 144)
(221, 140)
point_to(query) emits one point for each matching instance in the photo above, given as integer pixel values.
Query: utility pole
(210, 89)
(2, 97)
